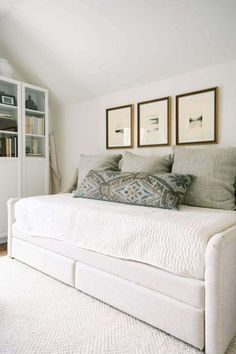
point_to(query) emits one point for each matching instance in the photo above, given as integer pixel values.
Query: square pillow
(97, 162)
(136, 163)
(215, 173)
(154, 190)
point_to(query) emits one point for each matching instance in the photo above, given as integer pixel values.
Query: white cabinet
(35, 140)
(24, 160)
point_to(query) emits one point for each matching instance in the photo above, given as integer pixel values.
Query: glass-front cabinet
(10, 147)
(34, 123)
(9, 118)
(35, 139)
(24, 152)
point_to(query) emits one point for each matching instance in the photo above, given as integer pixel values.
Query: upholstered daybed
(177, 271)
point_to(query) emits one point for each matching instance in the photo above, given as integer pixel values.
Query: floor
(42, 315)
(3, 249)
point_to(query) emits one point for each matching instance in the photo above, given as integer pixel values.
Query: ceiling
(81, 49)
(6, 7)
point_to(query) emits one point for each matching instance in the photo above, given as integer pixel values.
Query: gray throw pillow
(215, 173)
(154, 190)
(137, 163)
(97, 162)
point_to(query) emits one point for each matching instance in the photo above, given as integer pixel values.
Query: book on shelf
(34, 125)
(8, 146)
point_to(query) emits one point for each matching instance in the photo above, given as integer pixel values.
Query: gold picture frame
(196, 117)
(120, 127)
(154, 124)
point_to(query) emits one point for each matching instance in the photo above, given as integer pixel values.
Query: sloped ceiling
(81, 49)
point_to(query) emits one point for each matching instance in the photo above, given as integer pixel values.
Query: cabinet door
(10, 147)
(35, 177)
(9, 188)
(35, 140)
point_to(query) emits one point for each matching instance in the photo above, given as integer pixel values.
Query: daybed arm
(11, 219)
(73, 183)
(220, 281)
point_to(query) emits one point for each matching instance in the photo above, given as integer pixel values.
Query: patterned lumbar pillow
(165, 190)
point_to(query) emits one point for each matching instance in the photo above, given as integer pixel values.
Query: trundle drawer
(53, 264)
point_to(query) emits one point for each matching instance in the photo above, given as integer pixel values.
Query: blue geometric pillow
(165, 190)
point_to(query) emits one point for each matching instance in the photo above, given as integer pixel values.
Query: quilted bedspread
(171, 240)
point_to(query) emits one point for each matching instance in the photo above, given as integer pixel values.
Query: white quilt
(171, 240)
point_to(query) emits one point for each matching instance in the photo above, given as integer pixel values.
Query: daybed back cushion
(136, 163)
(97, 162)
(215, 174)
(154, 190)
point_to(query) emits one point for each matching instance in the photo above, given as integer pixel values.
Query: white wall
(80, 127)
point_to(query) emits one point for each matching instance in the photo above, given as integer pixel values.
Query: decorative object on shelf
(119, 127)
(5, 68)
(29, 103)
(196, 117)
(154, 122)
(7, 99)
(35, 144)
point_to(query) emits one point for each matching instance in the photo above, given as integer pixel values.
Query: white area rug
(41, 315)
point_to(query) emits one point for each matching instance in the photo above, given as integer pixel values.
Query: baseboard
(3, 238)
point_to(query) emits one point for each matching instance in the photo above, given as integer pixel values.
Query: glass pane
(8, 145)
(35, 124)
(8, 119)
(8, 93)
(35, 146)
(34, 100)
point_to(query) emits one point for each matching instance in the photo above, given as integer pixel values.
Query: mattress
(174, 241)
(187, 290)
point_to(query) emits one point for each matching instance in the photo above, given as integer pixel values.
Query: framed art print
(119, 127)
(196, 117)
(154, 122)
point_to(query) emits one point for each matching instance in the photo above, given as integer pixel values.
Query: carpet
(41, 315)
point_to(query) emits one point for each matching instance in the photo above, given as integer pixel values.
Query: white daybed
(177, 272)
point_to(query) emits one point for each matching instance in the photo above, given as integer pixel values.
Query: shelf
(35, 135)
(8, 132)
(39, 156)
(34, 111)
(7, 158)
(35, 145)
(7, 106)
